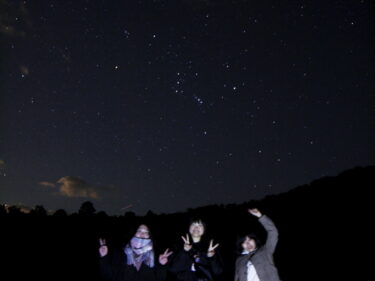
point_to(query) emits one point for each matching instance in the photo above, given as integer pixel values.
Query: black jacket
(206, 268)
(114, 267)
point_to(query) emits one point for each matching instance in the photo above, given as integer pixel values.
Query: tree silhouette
(150, 213)
(87, 209)
(39, 211)
(60, 213)
(14, 211)
(101, 214)
(3, 211)
(129, 214)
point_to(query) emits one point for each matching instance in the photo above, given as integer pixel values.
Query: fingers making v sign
(163, 258)
(103, 249)
(187, 245)
(211, 249)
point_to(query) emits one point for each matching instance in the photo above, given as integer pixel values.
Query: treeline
(313, 221)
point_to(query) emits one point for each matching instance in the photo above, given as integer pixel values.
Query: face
(142, 232)
(249, 244)
(196, 229)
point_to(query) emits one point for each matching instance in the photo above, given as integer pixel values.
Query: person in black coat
(135, 262)
(197, 260)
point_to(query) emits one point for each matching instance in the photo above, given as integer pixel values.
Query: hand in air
(163, 258)
(211, 249)
(187, 245)
(255, 212)
(103, 249)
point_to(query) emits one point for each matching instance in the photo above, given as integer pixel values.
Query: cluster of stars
(195, 88)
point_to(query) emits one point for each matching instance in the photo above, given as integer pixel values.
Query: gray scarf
(139, 251)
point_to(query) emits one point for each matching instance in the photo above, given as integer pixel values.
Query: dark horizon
(314, 216)
(90, 205)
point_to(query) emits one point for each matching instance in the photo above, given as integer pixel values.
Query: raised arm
(103, 249)
(161, 269)
(105, 264)
(181, 260)
(269, 226)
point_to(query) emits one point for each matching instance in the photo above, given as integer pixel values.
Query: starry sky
(165, 105)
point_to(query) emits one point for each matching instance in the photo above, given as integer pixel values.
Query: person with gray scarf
(135, 262)
(256, 261)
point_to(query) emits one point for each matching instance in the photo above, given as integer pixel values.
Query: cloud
(75, 187)
(24, 70)
(47, 184)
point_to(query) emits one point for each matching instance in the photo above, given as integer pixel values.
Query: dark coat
(114, 267)
(262, 259)
(206, 268)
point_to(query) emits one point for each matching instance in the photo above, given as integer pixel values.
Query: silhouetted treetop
(87, 209)
(39, 211)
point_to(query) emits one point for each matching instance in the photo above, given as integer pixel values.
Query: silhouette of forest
(318, 223)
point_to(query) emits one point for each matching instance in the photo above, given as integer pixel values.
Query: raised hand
(163, 258)
(211, 249)
(103, 249)
(255, 212)
(187, 245)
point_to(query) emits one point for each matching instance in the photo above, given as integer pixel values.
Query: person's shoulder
(241, 258)
(118, 252)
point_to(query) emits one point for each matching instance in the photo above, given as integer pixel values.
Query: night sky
(167, 105)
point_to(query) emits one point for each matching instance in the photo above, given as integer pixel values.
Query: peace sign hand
(163, 258)
(187, 245)
(211, 249)
(103, 249)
